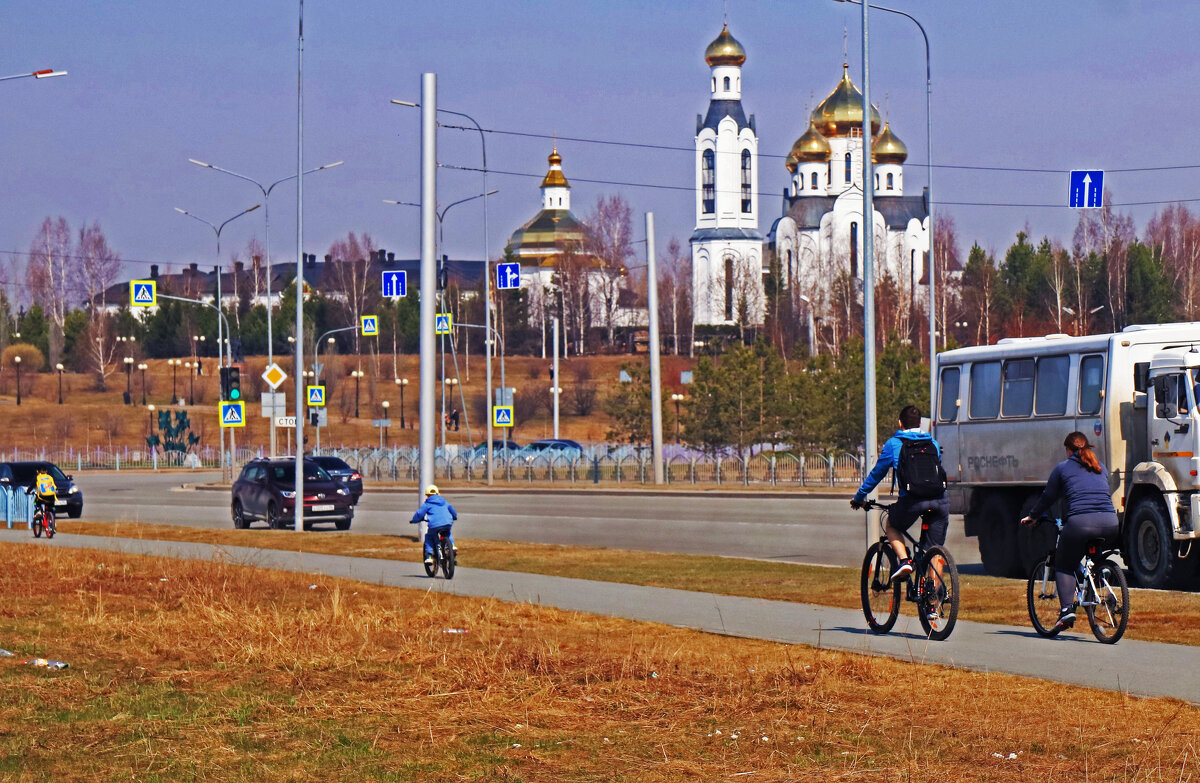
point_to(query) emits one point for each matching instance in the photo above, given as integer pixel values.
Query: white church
(819, 235)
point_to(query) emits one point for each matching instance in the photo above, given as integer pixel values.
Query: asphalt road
(766, 526)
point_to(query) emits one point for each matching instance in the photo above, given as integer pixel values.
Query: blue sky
(1104, 84)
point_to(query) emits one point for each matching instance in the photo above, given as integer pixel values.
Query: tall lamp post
(59, 367)
(142, 366)
(487, 274)
(383, 430)
(266, 193)
(17, 361)
(149, 420)
(191, 382)
(677, 398)
(174, 364)
(43, 74)
(128, 380)
(932, 266)
(401, 383)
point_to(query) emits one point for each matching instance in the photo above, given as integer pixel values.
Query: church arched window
(708, 183)
(847, 166)
(787, 280)
(728, 288)
(726, 82)
(714, 87)
(854, 250)
(747, 199)
(889, 182)
(814, 180)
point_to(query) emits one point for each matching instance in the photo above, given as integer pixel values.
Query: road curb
(760, 493)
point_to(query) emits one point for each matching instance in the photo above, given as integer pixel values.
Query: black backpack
(919, 469)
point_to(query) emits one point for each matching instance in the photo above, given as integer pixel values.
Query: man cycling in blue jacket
(936, 511)
(439, 515)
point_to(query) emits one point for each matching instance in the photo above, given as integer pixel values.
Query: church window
(728, 288)
(714, 87)
(854, 250)
(889, 182)
(877, 182)
(726, 82)
(747, 200)
(707, 183)
(787, 281)
(847, 166)
(814, 180)
(829, 173)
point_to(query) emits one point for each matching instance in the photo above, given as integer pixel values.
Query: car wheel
(75, 513)
(343, 524)
(239, 516)
(272, 517)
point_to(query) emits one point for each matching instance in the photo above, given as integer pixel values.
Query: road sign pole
(298, 368)
(871, 435)
(656, 443)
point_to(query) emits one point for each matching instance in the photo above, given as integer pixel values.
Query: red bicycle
(43, 518)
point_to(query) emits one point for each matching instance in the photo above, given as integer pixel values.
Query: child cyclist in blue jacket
(439, 515)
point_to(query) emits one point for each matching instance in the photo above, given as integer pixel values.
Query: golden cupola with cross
(554, 229)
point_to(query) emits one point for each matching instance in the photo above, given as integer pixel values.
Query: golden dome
(812, 147)
(842, 110)
(554, 177)
(887, 147)
(725, 50)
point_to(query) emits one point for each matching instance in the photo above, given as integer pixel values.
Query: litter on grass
(46, 663)
(456, 630)
(6, 654)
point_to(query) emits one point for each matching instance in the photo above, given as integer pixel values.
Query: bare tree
(675, 291)
(1108, 234)
(609, 240)
(53, 278)
(572, 281)
(1058, 274)
(349, 269)
(99, 267)
(1175, 235)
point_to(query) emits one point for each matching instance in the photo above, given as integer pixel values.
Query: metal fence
(596, 464)
(16, 506)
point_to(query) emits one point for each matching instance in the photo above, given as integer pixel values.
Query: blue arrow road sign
(1087, 189)
(233, 414)
(508, 276)
(395, 283)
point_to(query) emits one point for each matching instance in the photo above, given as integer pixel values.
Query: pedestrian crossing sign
(442, 323)
(143, 293)
(370, 326)
(316, 395)
(502, 416)
(233, 414)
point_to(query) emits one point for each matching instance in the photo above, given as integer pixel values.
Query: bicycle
(443, 555)
(1102, 592)
(933, 588)
(43, 519)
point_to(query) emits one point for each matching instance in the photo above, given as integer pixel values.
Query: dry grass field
(1159, 616)
(205, 671)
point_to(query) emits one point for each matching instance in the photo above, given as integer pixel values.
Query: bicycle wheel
(880, 593)
(938, 608)
(432, 567)
(1110, 613)
(1041, 597)
(37, 525)
(448, 562)
(51, 528)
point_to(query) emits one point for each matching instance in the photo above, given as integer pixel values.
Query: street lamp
(59, 367)
(383, 430)
(401, 383)
(174, 365)
(17, 361)
(929, 185)
(192, 383)
(128, 380)
(149, 420)
(142, 366)
(487, 272)
(43, 74)
(677, 398)
(266, 193)
(452, 383)
(357, 376)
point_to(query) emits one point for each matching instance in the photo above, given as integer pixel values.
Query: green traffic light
(235, 394)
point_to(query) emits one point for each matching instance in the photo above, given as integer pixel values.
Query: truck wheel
(1150, 544)
(998, 536)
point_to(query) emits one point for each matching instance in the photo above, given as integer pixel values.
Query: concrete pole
(220, 347)
(554, 388)
(656, 442)
(426, 406)
(871, 445)
(298, 368)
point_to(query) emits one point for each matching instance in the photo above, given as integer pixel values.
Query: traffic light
(231, 384)
(443, 273)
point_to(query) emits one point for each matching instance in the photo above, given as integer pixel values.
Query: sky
(1106, 84)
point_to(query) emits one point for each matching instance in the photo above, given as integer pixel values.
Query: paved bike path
(1135, 667)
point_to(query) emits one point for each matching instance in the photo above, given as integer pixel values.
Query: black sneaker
(1066, 619)
(905, 569)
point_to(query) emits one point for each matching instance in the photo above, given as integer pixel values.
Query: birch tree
(609, 240)
(348, 272)
(52, 276)
(99, 267)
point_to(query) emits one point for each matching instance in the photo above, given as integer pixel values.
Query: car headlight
(341, 491)
(287, 494)
(73, 491)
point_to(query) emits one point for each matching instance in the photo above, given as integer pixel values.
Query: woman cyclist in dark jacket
(1082, 482)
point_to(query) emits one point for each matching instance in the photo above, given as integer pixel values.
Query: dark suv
(266, 490)
(341, 470)
(22, 475)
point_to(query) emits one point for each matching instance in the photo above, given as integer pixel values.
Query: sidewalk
(1138, 668)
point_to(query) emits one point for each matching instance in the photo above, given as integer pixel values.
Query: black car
(341, 470)
(24, 476)
(266, 490)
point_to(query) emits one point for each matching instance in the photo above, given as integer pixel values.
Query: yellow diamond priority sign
(274, 375)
